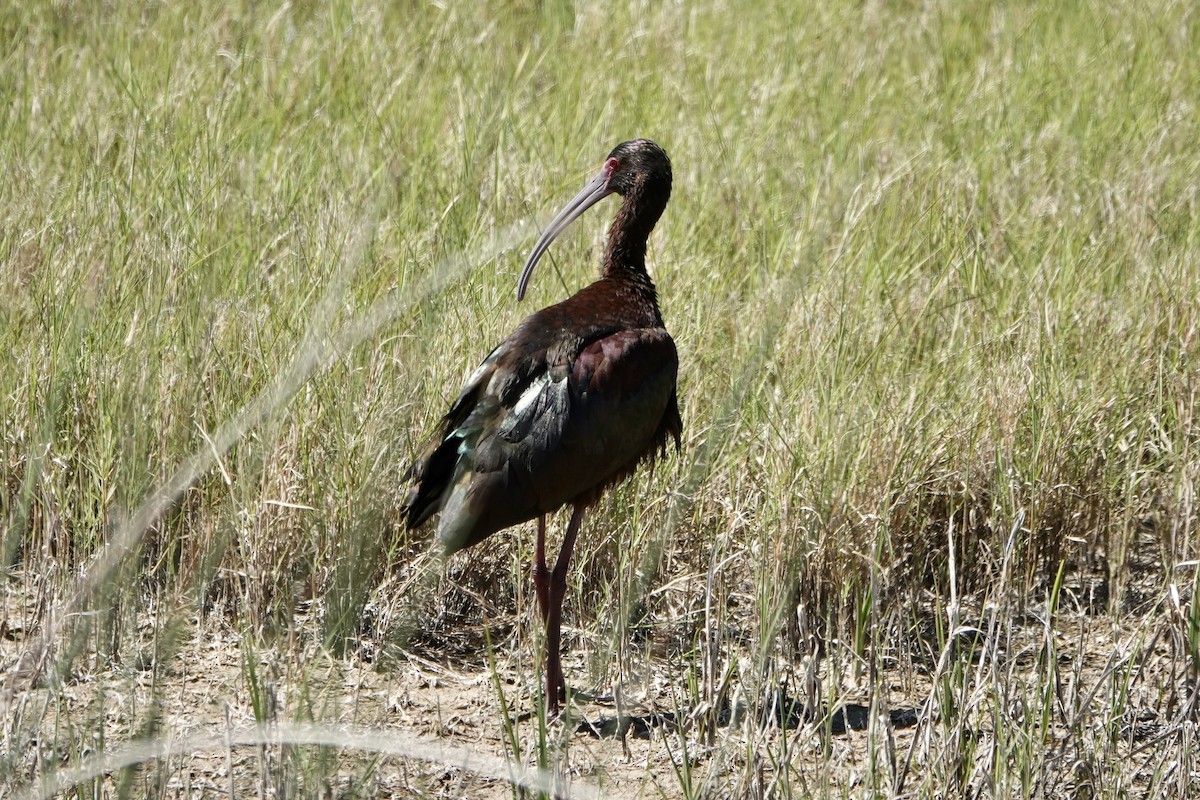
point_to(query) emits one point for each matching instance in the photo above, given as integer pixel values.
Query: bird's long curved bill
(596, 190)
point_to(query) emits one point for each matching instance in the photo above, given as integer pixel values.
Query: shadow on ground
(786, 713)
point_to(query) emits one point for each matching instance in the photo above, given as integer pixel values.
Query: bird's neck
(625, 254)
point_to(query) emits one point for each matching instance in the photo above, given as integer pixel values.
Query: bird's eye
(610, 167)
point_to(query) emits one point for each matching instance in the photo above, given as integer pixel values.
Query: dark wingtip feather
(431, 476)
(673, 423)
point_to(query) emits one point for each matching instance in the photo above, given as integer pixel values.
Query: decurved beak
(595, 191)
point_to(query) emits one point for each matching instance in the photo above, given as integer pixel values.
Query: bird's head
(637, 162)
(629, 167)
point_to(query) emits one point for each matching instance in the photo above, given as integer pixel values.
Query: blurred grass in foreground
(931, 268)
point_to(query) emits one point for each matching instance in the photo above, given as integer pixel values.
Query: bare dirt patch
(1102, 699)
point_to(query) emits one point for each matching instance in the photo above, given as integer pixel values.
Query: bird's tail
(431, 477)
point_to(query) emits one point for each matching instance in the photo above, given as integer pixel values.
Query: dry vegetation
(932, 269)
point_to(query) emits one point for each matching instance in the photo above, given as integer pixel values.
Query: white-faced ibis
(569, 404)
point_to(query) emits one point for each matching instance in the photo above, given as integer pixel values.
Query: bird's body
(567, 405)
(557, 413)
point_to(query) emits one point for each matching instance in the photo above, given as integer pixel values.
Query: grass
(932, 273)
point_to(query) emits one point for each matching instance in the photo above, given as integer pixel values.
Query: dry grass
(932, 274)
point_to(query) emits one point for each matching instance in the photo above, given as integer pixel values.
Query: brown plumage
(570, 403)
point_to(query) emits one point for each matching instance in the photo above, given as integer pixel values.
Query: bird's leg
(541, 573)
(556, 687)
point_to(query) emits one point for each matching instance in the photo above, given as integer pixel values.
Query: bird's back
(567, 405)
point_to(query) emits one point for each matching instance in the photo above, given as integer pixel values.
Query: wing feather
(543, 422)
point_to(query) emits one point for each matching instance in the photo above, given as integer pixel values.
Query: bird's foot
(558, 702)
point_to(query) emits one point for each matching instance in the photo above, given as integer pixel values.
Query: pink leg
(556, 687)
